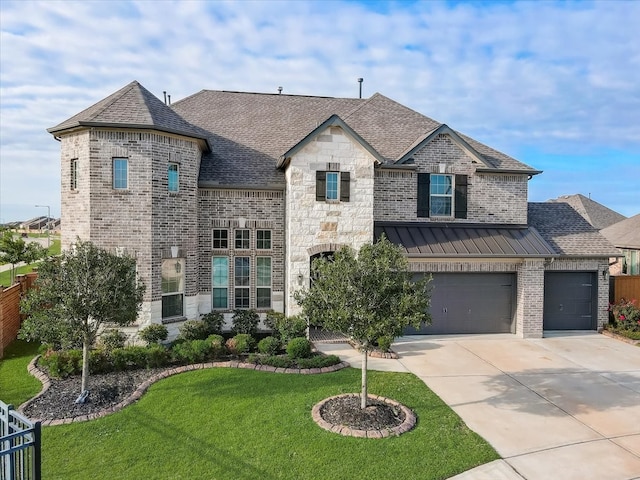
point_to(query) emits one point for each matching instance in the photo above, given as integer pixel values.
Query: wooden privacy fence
(10, 318)
(624, 286)
(20, 446)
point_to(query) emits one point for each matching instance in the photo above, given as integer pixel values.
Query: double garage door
(463, 303)
(471, 303)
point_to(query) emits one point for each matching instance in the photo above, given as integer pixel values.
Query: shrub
(112, 338)
(129, 358)
(193, 351)
(272, 319)
(62, 363)
(277, 361)
(269, 345)
(245, 321)
(193, 330)
(213, 322)
(318, 361)
(100, 361)
(299, 348)
(241, 343)
(289, 328)
(384, 343)
(217, 345)
(157, 356)
(626, 315)
(154, 333)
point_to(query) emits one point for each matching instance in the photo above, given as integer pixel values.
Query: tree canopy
(14, 250)
(76, 293)
(366, 296)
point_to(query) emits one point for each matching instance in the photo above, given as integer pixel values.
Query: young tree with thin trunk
(79, 291)
(15, 250)
(366, 296)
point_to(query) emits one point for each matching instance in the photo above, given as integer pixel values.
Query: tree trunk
(85, 364)
(363, 395)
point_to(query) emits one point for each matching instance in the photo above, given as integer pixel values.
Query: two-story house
(225, 198)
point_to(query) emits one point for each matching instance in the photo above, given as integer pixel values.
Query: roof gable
(333, 121)
(443, 130)
(593, 212)
(624, 234)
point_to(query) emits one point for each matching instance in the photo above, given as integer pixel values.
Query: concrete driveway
(562, 407)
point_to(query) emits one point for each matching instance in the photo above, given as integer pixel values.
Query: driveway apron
(566, 406)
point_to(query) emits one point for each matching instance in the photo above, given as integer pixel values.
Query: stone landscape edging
(135, 396)
(408, 423)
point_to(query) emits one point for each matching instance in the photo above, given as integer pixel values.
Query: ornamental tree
(76, 293)
(14, 250)
(365, 296)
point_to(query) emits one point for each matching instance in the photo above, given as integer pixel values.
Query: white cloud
(557, 76)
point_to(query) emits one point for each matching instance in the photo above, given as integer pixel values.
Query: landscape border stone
(137, 394)
(407, 425)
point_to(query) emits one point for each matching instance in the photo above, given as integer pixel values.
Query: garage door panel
(471, 303)
(569, 301)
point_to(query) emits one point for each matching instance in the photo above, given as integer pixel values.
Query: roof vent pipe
(169, 97)
(360, 80)
(165, 96)
(279, 90)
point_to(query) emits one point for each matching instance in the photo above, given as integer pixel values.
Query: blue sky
(554, 84)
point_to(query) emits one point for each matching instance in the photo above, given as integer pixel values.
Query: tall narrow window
(172, 287)
(74, 174)
(441, 195)
(220, 282)
(332, 186)
(173, 177)
(241, 282)
(263, 239)
(242, 239)
(220, 238)
(263, 282)
(120, 173)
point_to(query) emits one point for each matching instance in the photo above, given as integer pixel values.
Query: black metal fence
(20, 456)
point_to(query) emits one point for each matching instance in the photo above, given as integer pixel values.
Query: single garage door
(471, 303)
(570, 301)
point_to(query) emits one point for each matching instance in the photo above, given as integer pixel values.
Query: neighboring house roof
(252, 132)
(595, 213)
(133, 106)
(568, 233)
(464, 240)
(624, 234)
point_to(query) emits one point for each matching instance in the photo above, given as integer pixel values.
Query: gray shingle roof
(595, 213)
(424, 240)
(568, 232)
(132, 106)
(249, 132)
(624, 234)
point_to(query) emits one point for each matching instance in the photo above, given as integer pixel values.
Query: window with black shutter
(333, 186)
(423, 195)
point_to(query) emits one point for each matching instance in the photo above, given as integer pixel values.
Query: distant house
(593, 212)
(626, 236)
(225, 199)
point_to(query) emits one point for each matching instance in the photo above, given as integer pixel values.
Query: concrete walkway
(566, 406)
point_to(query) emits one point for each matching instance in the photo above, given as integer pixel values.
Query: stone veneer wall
(491, 198)
(226, 209)
(311, 224)
(144, 220)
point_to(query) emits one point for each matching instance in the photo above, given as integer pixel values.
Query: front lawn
(16, 384)
(226, 423)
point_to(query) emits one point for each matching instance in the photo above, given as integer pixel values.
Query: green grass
(16, 384)
(245, 424)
